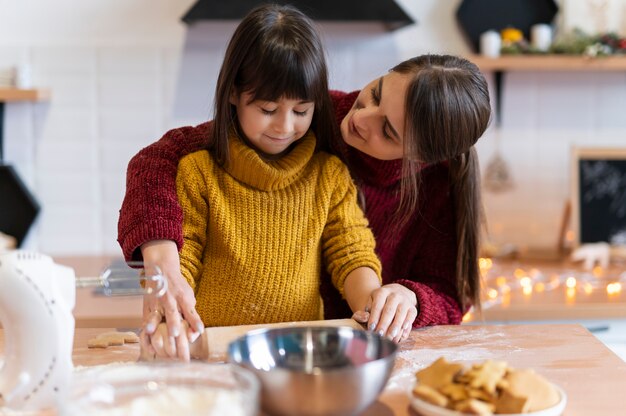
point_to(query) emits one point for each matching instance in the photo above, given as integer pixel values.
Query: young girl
(263, 209)
(408, 139)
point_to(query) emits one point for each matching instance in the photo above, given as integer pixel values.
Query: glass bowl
(153, 389)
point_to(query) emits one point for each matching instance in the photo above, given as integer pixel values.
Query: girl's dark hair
(275, 52)
(447, 110)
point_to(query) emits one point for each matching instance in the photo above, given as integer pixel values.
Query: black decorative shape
(18, 207)
(478, 16)
(384, 11)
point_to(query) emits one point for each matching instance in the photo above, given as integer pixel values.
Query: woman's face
(375, 124)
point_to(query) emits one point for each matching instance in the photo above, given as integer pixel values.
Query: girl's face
(272, 126)
(375, 124)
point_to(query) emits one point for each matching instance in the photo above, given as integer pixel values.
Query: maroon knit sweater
(421, 255)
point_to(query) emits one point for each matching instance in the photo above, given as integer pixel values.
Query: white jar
(24, 76)
(490, 44)
(541, 36)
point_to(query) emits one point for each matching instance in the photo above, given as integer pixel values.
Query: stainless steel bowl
(316, 370)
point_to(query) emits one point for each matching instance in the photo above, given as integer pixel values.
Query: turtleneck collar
(372, 171)
(247, 166)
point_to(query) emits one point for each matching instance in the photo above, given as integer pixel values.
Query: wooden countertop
(593, 377)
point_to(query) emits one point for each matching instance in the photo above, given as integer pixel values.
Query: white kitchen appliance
(36, 301)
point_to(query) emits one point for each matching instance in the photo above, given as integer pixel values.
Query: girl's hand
(178, 299)
(392, 309)
(161, 345)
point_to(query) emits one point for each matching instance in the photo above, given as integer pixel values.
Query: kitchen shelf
(544, 63)
(565, 63)
(9, 94)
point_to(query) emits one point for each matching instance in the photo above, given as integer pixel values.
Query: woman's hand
(390, 312)
(178, 299)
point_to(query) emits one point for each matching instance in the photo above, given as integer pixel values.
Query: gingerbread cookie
(430, 395)
(108, 339)
(439, 373)
(484, 389)
(537, 390)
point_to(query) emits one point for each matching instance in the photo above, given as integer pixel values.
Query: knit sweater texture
(256, 231)
(421, 255)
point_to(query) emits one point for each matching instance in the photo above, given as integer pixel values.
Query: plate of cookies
(488, 388)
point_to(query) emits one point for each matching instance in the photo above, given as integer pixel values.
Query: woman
(408, 139)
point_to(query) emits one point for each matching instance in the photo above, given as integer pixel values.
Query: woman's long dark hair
(275, 52)
(447, 110)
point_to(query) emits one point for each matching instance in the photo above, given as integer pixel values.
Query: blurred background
(84, 85)
(120, 73)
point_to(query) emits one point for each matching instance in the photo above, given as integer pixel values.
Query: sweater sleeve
(150, 210)
(436, 307)
(347, 241)
(191, 188)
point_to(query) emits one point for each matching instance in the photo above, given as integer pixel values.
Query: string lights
(498, 287)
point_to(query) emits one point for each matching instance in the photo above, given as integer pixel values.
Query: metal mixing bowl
(316, 370)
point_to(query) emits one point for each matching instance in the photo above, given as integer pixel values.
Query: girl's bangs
(290, 79)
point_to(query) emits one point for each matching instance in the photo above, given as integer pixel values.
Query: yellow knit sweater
(256, 233)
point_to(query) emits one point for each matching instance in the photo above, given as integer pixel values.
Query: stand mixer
(37, 297)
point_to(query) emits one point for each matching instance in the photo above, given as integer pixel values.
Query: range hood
(386, 12)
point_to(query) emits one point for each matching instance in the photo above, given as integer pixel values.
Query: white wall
(124, 71)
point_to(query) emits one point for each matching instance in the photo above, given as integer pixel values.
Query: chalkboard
(599, 195)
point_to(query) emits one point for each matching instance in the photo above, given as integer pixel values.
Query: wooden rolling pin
(213, 344)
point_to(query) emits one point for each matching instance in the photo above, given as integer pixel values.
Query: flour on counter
(467, 347)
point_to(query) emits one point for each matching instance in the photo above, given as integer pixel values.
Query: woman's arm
(150, 228)
(150, 210)
(190, 190)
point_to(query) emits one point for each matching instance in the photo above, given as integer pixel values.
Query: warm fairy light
(614, 288)
(526, 282)
(569, 236)
(501, 281)
(467, 317)
(506, 299)
(500, 287)
(485, 263)
(555, 281)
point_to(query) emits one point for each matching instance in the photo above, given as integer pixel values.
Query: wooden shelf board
(568, 63)
(8, 94)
